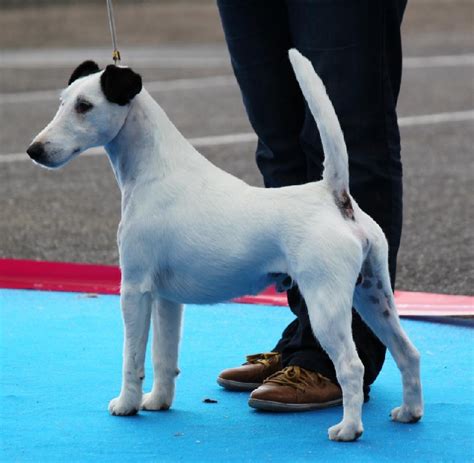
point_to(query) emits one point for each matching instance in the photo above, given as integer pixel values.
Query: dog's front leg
(167, 319)
(136, 312)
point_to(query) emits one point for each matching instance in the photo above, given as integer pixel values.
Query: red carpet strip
(105, 279)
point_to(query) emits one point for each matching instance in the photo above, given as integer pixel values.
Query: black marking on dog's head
(386, 313)
(84, 69)
(119, 84)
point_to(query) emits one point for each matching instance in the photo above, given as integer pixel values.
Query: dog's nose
(36, 151)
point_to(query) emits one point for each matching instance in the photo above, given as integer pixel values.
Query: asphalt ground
(72, 214)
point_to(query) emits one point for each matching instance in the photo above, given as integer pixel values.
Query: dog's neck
(149, 147)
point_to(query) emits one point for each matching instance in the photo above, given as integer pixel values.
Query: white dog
(192, 233)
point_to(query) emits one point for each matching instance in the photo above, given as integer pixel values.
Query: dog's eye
(82, 106)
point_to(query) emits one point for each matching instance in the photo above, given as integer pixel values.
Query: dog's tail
(336, 170)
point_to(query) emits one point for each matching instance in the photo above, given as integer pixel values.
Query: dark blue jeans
(355, 47)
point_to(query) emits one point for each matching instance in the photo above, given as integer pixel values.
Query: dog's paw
(345, 432)
(122, 407)
(404, 414)
(156, 402)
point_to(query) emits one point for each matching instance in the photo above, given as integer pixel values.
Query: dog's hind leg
(136, 312)
(374, 300)
(167, 319)
(329, 302)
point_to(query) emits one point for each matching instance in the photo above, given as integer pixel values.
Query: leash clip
(116, 56)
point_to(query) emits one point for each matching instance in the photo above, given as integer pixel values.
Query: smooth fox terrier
(192, 233)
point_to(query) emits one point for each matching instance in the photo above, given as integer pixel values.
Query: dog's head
(93, 109)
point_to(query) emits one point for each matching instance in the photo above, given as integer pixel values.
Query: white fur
(192, 233)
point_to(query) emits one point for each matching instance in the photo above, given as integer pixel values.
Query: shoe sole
(271, 406)
(237, 385)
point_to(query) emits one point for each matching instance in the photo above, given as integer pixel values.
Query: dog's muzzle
(36, 151)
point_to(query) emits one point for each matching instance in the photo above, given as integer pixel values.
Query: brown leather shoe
(251, 374)
(295, 389)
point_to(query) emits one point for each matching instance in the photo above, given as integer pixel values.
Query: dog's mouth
(47, 163)
(53, 159)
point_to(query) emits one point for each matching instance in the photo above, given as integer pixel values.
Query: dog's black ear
(119, 84)
(84, 69)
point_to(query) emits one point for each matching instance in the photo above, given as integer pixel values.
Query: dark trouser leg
(258, 37)
(355, 47)
(362, 72)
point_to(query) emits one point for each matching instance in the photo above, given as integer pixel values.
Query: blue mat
(60, 364)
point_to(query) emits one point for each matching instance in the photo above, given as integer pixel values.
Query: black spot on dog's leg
(374, 300)
(367, 270)
(367, 283)
(386, 313)
(360, 279)
(379, 284)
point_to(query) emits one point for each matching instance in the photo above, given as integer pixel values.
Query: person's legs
(338, 41)
(258, 39)
(356, 49)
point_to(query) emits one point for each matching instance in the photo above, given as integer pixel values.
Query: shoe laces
(263, 358)
(297, 378)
